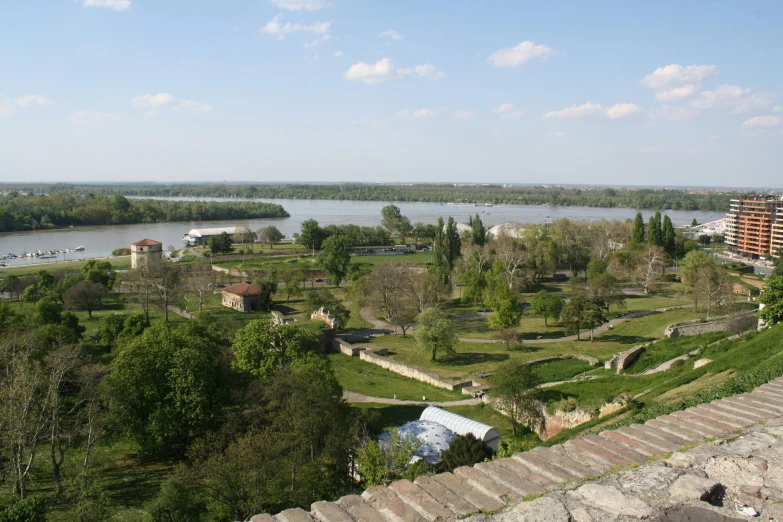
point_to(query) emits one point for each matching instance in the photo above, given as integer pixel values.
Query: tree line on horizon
(59, 209)
(606, 197)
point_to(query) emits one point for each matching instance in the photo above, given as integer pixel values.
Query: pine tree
(669, 237)
(654, 236)
(478, 235)
(638, 228)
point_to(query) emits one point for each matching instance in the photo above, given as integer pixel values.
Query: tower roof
(146, 242)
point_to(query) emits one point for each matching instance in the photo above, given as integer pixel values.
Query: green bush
(121, 252)
(31, 509)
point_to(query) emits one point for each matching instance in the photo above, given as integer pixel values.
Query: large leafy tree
(515, 389)
(638, 229)
(336, 258)
(574, 315)
(311, 235)
(547, 305)
(772, 299)
(269, 234)
(452, 243)
(167, 388)
(261, 347)
(220, 244)
(100, 272)
(391, 219)
(84, 296)
(654, 232)
(381, 463)
(478, 234)
(435, 333)
(503, 301)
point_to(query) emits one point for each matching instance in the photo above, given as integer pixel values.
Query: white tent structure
(462, 426)
(200, 235)
(434, 439)
(513, 230)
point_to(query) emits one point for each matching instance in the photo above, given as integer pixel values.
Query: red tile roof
(147, 242)
(243, 289)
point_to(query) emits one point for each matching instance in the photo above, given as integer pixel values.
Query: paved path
(350, 396)
(668, 364)
(574, 465)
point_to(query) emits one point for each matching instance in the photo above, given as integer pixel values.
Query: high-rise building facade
(754, 225)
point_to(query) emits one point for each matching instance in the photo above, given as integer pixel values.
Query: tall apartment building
(754, 225)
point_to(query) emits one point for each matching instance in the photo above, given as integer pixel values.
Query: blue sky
(632, 93)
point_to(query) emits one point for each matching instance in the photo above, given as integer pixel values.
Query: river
(99, 241)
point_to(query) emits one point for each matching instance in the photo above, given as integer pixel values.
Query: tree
(772, 299)
(167, 286)
(242, 233)
(199, 282)
(638, 229)
(595, 313)
(423, 289)
(465, 450)
(176, 502)
(391, 218)
(311, 235)
(693, 269)
(517, 395)
(547, 305)
(478, 233)
(387, 461)
(503, 302)
(167, 388)
(292, 279)
(323, 298)
(571, 239)
(14, 286)
(139, 284)
(439, 263)
(101, 272)
(607, 287)
(650, 268)
(270, 235)
(654, 233)
(778, 263)
(336, 258)
(476, 260)
(514, 258)
(574, 315)
(84, 296)
(669, 237)
(220, 244)
(452, 243)
(267, 288)
(435, 333)
(261, 348)
(694, 223)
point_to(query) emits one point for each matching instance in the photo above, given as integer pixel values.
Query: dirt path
(350, 396)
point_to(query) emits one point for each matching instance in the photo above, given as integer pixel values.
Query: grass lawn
(561, 370)
(637, 303)
(362, 377)
(473, 357)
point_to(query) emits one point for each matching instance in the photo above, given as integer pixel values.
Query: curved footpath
(350, 396)
(732, 472)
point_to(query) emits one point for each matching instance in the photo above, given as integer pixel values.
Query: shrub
(465, 450)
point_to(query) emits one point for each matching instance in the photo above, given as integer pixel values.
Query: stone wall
(592, 361)
(690, 328)
(346, 348)
(562, 420)
(413, 372)
(323, 315)
(623, 360)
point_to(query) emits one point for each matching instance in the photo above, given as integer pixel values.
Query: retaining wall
(420, 374)
(623, 360)
(592, 361)
(691, 328)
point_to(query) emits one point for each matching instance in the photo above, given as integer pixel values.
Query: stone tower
(145, 252)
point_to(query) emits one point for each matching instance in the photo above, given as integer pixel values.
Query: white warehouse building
(199, 236)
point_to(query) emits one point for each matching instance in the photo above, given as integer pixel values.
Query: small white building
(199, 236)
(513, 230)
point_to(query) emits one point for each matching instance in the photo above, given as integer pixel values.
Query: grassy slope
(668, 349)
(374, 381)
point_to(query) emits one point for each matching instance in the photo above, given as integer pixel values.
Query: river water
(99, 241)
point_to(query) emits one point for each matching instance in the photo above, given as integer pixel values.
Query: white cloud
(33, 99)
(153, 100)
(761, 122)
(592, 110)
(558, 134)
(462, 115)
(117, 5)
(91, 118)
(622, 110)
(520, 53)
(676, 93)
(281, 30)
(318, 41)
(428, 70)
(723, 97)
(300, 5)
(777, 109)
(755, 102)
(507, 112)
(338, 54)
(165, 99)
(675, 74)
(419, 114)
(391, 35)
(588, 109)
(371, 74)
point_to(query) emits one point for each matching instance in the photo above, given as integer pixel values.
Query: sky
(664, 93)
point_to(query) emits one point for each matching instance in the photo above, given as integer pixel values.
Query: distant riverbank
(99, 241)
